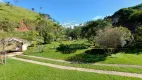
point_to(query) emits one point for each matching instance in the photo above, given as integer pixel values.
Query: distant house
(23, 27)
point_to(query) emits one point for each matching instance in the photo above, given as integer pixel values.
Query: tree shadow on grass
(71, 48)
(90, 56)
(132, 51)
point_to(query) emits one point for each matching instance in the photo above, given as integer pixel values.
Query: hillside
(15, 13)
(130, 17)
(137, 6)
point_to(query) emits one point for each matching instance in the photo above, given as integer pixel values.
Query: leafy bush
(137, 42)
(112, 38)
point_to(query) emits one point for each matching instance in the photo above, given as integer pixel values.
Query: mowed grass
(51, 52)
(123, 58)
(89, 66)
(119, 58)
(18, 70)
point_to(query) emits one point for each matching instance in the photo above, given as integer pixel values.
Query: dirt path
(81, 69)
(57, 60)
(99, 64)
(14, 54)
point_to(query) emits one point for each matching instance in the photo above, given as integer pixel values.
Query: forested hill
(14, 13)
(130, 17)
(137, 6)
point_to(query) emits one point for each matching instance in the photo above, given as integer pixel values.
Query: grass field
(123, 58)
(11, 13)
(119, 58)
(51, 52)
(90, 66)
(17, 70)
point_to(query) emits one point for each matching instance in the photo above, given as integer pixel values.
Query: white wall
(25, 47)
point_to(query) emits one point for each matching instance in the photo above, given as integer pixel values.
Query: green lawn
(119, 58)
(122, 58)
(90, 66)
(51, 52)
(17, 70)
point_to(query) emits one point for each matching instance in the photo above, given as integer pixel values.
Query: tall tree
(4, 39)
(112, 38)
(90, 28)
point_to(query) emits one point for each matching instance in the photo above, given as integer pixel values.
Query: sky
(76, 11)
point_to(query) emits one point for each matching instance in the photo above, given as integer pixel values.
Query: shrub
(112, 38)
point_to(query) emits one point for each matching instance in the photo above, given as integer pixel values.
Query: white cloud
(98, 17)
(70, 24)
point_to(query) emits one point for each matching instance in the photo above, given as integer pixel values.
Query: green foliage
(7, 25)
(15, 13)
(128, 17)
(136, 16)
(48, 29)
(113, 37)
(90, 28)
(71, 48)
(74, 33)
(139, 6)
(123, 15)
(30, 35)
(45, 28)
(137, 43)
(6, 35)
(138, 35)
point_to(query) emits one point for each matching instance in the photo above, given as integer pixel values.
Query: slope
(15, 13)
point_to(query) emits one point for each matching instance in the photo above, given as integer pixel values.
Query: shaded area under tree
(89, 56)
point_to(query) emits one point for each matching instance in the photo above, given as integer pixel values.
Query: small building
(21, 45)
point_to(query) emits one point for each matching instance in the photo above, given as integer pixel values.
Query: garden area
(34, 46)
(18, 70)
(85, 54)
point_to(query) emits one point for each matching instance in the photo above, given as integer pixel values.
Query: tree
(47, 28)
(4, 39)
(46, 31)
(77, 32)
(33, 9)
(137, 43)
(9, 4)
(58, 31)
(128, 17)
(136, 17)
(90, 28)
(74, 33)
(123, 15)
(112, 38)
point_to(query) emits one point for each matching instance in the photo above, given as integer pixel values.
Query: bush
(112, 38)
(138, 38)
(66, 48)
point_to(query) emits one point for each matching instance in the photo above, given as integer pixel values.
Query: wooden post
(3, 51)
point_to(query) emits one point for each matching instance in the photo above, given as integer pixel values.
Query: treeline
(122, 29)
